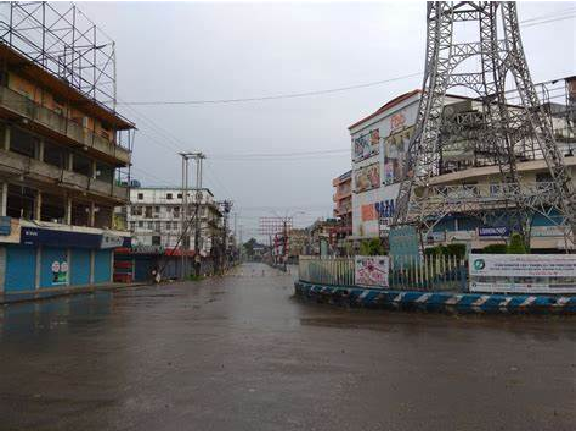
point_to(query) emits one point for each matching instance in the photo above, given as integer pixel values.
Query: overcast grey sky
(191, 51)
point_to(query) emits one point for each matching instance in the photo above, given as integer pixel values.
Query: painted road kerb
(452, 302)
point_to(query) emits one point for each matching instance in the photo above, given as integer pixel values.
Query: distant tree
(517, 245)
(495, 249)
(372, 247)
(249, 246)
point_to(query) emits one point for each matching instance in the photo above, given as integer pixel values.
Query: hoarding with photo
(372, 271)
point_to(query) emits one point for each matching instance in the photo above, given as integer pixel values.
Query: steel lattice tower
(508, 133)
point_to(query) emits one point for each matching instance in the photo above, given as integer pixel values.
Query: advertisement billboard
(372, 271)
(366, 145)
(537, 273)
(367, 177)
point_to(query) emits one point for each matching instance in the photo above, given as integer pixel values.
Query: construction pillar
(68, 214)
(6, 138)
(3, 198)
(37, 206)
(70, 161)
(41, 150)
(92, 215)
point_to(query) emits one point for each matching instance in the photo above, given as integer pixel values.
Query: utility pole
(198, 157)
(227, 208)
(184, 245)
(285, 240)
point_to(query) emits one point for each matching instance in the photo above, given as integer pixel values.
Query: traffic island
(443, 302)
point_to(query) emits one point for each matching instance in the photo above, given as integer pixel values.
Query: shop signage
(494, 231)
(547, 231)
(5, 225)
(147, 249)
(111, 241)
(372, 271)
(460, 235)
(434, 237)
(57, 238)
(522, 273)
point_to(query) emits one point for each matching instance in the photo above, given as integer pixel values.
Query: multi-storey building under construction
(60, 151)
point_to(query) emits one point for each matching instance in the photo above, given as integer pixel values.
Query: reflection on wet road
(239, 353)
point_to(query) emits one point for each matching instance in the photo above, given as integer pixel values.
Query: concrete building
(59, 151)
(379, 145)
(343, 209)
(154, 217)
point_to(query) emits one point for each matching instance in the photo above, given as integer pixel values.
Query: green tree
(372, 247)
(516, 245)
(249, 246)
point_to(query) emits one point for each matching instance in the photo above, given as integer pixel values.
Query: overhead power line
(530, 22)
(273, 97)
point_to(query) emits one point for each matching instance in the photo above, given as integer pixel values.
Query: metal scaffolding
(500, 126)
(62, 40)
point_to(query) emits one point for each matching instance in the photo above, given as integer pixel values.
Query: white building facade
(154, 218)
(378, 149)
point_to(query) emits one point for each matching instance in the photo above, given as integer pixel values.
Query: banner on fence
(372, 271)
(522, 273)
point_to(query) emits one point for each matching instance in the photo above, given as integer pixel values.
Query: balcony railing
(16, 102)
(21, 165)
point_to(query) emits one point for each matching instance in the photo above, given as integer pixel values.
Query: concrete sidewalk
(55, 292)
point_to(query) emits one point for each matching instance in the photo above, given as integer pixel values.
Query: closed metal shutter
(20, 268)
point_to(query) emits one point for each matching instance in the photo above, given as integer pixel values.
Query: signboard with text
(404, 244)
(552, 273)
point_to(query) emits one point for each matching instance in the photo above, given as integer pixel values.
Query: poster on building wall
(372, 271)
(367, 177)
(366, 145)
(369, 212)
(375, 137)
(361, 147)
(397, 121)
(388, 173)
(59, 273)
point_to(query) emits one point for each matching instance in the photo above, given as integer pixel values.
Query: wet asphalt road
(238, 353)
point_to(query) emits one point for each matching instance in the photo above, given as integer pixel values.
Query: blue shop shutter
(102, 266)
(20, 268)
(79, 267)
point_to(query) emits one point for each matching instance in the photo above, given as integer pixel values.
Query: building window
(140, 196)
(179, 196)
(148, 211)
(140, 224)
(168, 225)
(132, 226)
(168, 196)
(150, 225)
(175, 225)
(157, 208)
(157, 225)
(156, 240)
